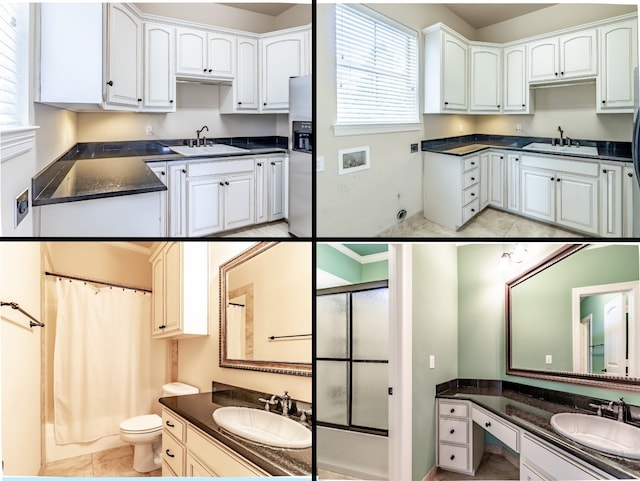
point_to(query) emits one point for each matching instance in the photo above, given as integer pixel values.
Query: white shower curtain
(235, 332)
(101, 365)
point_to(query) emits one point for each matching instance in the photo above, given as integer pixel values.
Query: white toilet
(145, 432)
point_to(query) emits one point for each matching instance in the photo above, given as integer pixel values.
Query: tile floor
(115, 462)
(275, 229)
(488, 223)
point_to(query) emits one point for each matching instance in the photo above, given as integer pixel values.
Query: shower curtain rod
(64, 276)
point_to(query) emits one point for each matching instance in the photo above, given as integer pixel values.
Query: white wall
(21, 359)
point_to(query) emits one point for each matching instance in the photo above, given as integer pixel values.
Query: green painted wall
(335, 262)
(435, 331)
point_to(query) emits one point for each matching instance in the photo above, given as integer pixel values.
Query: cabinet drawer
(529, 474)
(453, 409)
(452, 430)
(173, 454)
(220, 167)
(453, 457)
(562, 164)
(471, 163)
(173, 424)
(218, 458)
(551, 463)
(470, 194)
(505, 433)
(469, 178)
(469, 210)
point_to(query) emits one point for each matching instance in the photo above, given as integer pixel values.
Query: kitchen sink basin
(215, 149)
(602, 434)
(562, 149)
(263, 427)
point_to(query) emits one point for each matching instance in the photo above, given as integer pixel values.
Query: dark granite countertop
(108, 169)
(468, 144)
(198, 409)
(533, 415)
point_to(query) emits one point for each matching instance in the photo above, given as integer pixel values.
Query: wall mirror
(575, 317)
(266, 307)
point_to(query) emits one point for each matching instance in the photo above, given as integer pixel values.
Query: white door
(496, 179)
(513, 182)
(246, 83)
(484, 180)
(538, 193)
(160, 77)
(516, 89)
(486, 89)
(282, 57)
(455, 74)
(276, 189)
(124, 66)
(221, 55)
(262, 191)
(205, 206)
(239, 200)
(614, 337)
(618, 57)
(543, 60)
(578, 54)
(577, 202)
(191, 52)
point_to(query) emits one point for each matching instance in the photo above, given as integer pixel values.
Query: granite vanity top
(469, 144)
(107, 169)
(198, 409)
(533, 415)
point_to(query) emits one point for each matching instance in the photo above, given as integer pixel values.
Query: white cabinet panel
(486, 81)
(618, 58)
(543, 60)
(205, 213)
(611, 200)
(516, 92)
(629, 184)
(579, 54)
(160, 169)
(159, 68)
(538, 193)
(455, 74)
(577, 202)
(513, 182)
(191, 51)
(282, 57)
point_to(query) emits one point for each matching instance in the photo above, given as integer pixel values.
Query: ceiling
(273, 9)
(480, 15)
(367, 249)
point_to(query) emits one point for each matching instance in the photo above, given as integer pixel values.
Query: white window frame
(342, 127)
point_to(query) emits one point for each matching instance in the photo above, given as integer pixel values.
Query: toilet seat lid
(142, 424)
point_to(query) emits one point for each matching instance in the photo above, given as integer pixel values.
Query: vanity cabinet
(569, 56)
(159, 68)
(486, 79)
(618, 58)
(459, 446)
(451, 194)
(445, 68)
(205, 55)
(189, 452)
(516, 92)
(180, 278)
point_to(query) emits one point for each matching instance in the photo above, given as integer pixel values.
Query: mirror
(265, 309)
(574, 317)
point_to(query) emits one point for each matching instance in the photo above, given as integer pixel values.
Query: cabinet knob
(498, 105)
(473, 194)
(184, 171)
(473, 178)
(265, 103)
(259, 164)
(139, 100)
(501, 157)
(473, 163)
(630, 174)
(604, 171)
(552, 179)
(226, 183)
(273, 163)
(604, 101)
(452, 410)
(473, 210)
(162, 327)
(452, 431)
(239, 103)
(169, 454)
(222, 184)
(523, 105)
(452, 457)
(487, 424)
(170, 101)
(110, 83)
(517, 159)
(204, 69)
(556, 74)
(162, 172)
(561, 73)
(558, 179)
(210, 70)
(168, 423)
(446, 103)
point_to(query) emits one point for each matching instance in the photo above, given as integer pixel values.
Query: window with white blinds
(14, 64)
(376, 69)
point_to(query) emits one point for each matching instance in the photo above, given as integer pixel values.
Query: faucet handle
(267, 402)
(598, 407)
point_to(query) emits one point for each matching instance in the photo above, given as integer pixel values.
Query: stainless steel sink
(561, 149)
(215, 149)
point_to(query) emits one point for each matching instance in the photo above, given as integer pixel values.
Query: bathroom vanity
(521, 422)
(193, 445)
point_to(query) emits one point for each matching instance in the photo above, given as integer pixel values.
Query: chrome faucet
(200, 141)
(287, 403)
(621, 410)
(561, 135)
(268, 402)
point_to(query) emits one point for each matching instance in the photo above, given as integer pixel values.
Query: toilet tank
(178, 389)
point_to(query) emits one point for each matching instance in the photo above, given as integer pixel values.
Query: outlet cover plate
(21, 207)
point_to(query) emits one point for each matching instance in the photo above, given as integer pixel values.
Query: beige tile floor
(488, 223)
(116, 462)
(275, 229)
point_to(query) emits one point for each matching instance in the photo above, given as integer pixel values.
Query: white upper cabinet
(486, 85)
(516, 92)
(159, 68)
(243, 95)
(283, 56)
(205, 55)
(618, 58)
(123, 86)
(445, 71)
(566, 57)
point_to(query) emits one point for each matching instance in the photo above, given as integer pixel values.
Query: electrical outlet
(548, 359)
(414, 148)
(149, 129)
(518, 127)
(21, 207)
(319, 163)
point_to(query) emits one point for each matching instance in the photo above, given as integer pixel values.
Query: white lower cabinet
(460, 444)
(611, 198)
(190, 452)
(270, 190)
(177, 199)
(513, 182)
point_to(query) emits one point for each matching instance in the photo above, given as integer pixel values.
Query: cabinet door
(205, 199)
(513, 182)
(543, 60)
(159, 68)
(611, 201)
(537, 193)
(221, 55)
(173, 278)
(486, 88)
(262, 191)
(276, 189)
(497, 172)
(191, 52)
(246, 83)
(158, 298)
(454, 74)
(195, 469)
(239, 199)
(177, 202)
(618, 58)
(484, 180)
(160, 169)
(516, 89)
(282, 57)
(577, 202)
(124, 59)
(629, 185)
(578, 54)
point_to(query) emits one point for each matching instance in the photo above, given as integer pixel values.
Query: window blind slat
(14, 54)
(377, 67)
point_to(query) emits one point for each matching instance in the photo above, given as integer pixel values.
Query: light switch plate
(432, 361)
(548, 359)
(320, 163)
(21, 207)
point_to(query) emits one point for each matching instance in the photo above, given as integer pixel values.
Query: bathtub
(55, 452)
(364, 456)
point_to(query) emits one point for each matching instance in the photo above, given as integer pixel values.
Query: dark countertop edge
(36, 201)
(439, 146)
(575, 449)
(178, 157)
(228, 440)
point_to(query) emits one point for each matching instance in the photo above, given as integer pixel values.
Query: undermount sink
(564, 149)
(263, 427)
(602, 434)
(215, 149)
